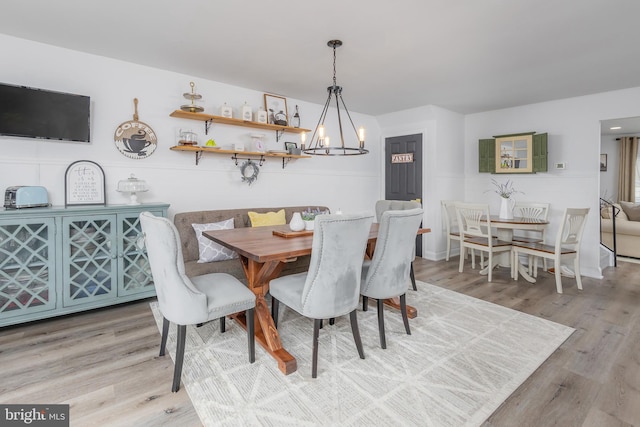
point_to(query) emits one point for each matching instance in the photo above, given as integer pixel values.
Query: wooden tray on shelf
(288, 233)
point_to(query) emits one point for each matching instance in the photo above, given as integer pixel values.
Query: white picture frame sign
(84, 184)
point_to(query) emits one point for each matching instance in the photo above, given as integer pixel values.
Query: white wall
(351, 184)
(573, 126)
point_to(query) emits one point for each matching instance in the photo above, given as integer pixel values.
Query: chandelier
(320, 144)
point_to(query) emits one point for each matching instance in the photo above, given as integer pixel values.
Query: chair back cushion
(179, 300)
(332, 286)
(631, 210)
(394, 205)
(388, 272)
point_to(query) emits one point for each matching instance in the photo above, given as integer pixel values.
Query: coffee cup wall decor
(135, 139)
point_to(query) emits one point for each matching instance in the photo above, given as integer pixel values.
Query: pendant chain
(334, 65)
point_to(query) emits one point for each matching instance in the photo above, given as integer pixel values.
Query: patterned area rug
(464, 358)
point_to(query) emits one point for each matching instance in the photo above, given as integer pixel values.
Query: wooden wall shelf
(210, 118)
(235, 154)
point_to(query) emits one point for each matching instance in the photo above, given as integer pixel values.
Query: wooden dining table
(263, 252)
(505, 229)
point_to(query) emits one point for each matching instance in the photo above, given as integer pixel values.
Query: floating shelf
(235, 154)
(210, 118)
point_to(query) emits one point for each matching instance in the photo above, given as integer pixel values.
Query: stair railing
(605, 205)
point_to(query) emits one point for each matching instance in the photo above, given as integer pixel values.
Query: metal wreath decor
(249, 171)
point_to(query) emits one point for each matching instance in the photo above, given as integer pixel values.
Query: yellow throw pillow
(269, 218)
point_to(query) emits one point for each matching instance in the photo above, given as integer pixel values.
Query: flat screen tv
(38, 113)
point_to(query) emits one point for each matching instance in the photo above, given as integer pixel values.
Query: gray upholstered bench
(189, 243)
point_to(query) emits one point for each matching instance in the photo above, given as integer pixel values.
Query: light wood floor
(105, 363)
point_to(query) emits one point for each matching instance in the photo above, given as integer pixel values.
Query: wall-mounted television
(38, 113)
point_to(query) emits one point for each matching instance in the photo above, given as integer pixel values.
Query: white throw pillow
(210, 250)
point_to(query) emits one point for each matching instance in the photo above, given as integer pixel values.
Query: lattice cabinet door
(132, 256)
(27, 267)
(89, 250)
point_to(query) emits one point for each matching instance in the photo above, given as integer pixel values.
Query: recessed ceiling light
(616, 127)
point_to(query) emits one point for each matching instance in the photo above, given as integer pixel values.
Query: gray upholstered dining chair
(192, 301)
(331, 287)
(399, 205)
(386, 275)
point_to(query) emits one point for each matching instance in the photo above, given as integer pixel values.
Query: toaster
(24, 196)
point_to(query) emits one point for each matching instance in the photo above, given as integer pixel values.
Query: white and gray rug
(464, 358)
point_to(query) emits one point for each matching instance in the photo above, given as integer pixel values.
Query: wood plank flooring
(593, 379)
(105, 363)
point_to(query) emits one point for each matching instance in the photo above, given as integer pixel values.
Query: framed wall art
(603, 162)
(84, 184)
(276, 107)
(290, 146)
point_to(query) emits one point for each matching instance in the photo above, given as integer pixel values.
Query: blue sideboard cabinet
(57, 260)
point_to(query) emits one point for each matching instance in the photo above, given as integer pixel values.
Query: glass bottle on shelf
(295, 122)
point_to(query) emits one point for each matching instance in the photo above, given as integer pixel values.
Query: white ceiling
(464, 55)
(627, 126)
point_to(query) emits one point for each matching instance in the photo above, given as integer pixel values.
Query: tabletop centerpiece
(506, 191)
(309, 216)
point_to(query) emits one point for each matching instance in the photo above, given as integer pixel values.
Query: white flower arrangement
(505, 190)
(310, 214)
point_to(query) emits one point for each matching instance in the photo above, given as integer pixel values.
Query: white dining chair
(474, 221)
(567, 246)
(450, 223)
(452, 229)
(532, 210)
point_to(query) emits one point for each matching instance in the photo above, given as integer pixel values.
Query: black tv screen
(39, 113)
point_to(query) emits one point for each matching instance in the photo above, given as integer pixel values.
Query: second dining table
(263, 252)
(505, 229)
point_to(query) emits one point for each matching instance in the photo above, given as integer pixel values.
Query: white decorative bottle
(226, 111)
(261, 116)
(296, 224)
(246, 112)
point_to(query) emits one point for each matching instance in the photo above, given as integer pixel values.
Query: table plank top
(260, 244)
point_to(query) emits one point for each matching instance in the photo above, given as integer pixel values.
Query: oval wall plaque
(135, 139)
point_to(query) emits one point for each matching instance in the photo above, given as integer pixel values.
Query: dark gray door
(403, 171)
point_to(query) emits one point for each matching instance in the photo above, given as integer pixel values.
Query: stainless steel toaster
(25, 196)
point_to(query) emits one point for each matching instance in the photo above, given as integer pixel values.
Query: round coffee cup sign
(135, 139)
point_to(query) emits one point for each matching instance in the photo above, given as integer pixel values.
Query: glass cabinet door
(132, 259)
(89, 258)
(27, 267)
